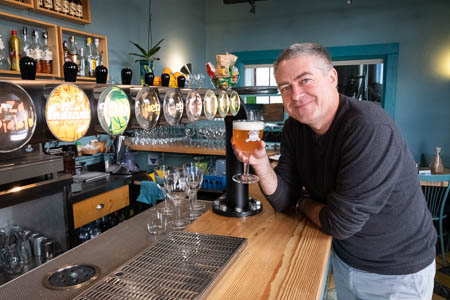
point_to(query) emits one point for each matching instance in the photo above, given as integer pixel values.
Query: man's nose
(297, 92)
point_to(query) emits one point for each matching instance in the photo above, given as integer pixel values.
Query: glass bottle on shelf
(25, 45)
(90, 58)
(36, 50)
(66, 7)
(5, 63)
(41, 3)
(73, 51)
(65, 51)
(79, 9)
(48, 4)
(82, 71)
(14, 51)
(47, 55)
(72, 8)
(58, 6)
(97, 53)
(437, 166)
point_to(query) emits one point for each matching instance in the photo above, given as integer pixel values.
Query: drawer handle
(100, 206)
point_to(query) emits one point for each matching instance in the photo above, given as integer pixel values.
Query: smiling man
(360, 181)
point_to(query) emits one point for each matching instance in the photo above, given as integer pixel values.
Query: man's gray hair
(299, 49)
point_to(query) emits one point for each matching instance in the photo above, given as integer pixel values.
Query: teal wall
(180, 23)
(420, 27)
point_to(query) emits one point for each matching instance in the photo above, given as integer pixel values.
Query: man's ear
(333, 76)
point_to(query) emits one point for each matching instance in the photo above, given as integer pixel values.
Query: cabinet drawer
(101, 205)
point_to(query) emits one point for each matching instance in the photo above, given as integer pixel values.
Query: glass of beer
(247, 135)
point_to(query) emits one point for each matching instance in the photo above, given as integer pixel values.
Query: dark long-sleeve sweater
(362, 170)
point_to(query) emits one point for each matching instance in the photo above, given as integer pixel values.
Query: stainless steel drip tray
(183, 265)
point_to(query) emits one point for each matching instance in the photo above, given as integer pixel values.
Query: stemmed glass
(194, 177)
(176, 187)
(247, 136)
(160, 173)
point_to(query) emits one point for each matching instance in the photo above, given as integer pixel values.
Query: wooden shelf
(53, 42)
(27, 4)
(86, 13)
(103, 47)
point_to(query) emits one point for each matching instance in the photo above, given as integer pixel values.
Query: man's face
(308, 90)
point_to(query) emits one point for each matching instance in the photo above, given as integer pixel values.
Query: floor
(441, 282)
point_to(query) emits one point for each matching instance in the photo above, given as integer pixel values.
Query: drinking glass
(156, 221)
(247, 136)
(176, 187)
(160, 173)
(194, 177)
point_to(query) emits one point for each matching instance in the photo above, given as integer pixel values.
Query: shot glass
(156, 221)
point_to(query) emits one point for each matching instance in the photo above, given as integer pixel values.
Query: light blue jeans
(355, 284)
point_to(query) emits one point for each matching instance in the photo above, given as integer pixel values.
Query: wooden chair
(436, 188)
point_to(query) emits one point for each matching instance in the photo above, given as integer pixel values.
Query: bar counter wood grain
(286, 256)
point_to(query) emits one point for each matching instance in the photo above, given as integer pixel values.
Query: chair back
(435, 189)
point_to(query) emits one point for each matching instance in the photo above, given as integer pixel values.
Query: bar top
(286, 256)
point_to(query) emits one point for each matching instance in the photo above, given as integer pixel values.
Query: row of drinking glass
(179, 184)
(191, 135)
(21, 249)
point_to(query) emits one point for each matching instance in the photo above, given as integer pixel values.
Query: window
(260, 75)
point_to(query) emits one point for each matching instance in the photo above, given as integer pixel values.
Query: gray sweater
(362, 170)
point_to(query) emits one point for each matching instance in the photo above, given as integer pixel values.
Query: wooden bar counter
(286, 256)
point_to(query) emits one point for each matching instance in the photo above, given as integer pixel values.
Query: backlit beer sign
(147, 108)
(17, 117)
(113, 110)
(173, 106)
(68, 113)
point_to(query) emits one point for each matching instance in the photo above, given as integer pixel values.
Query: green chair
(435, 188)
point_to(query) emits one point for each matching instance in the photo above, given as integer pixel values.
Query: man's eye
(284, 89)
(305, 80)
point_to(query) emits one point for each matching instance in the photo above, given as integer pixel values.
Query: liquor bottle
(48, 4)
(47, 55)
(74, 55)
(14, 51)
(90, 58)
(80, 9)
(65, 51)
(437, 166)
(25, 45)
(82, 70)
(5, 63)
(41, 3)
(97, 53)
(72, 8)
(66, 7)
(58, 5)
(36, 50)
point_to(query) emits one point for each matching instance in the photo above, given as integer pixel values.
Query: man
(361, 182)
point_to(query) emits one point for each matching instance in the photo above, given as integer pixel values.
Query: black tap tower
(236, 202)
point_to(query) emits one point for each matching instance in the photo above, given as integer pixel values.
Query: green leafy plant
(147, 55)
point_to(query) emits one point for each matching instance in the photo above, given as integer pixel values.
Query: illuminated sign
(235, 103)
(224, 103)
(68, 112)
(173, 106)
(210, 104)
(17, 117)
(147, 108)
(113, 110)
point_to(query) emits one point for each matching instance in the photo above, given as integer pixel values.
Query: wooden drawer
(101, 205)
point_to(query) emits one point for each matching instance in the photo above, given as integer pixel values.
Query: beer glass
(247, 135)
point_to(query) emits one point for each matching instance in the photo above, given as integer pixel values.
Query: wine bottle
(14, 51)
(25, 45)
(36, 50)
(73, 51)
(47, 55)
(90, 58)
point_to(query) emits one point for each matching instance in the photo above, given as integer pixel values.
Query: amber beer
(247, 135)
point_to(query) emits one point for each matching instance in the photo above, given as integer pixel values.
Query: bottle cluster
(36, 48)
(69, 7)
(87, 57)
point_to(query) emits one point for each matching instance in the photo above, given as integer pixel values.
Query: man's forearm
(267, 177)
(311, 209)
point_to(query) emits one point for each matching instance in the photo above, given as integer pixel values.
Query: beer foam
(250, 125)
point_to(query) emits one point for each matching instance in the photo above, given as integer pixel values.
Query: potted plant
(146, 58)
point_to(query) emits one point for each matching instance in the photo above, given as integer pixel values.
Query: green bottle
(14, 50)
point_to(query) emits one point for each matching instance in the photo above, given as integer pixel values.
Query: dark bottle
(149, 78)
(101, 74)
(27, 68)
(70, 71)
(165, 79)
(126, 75)
(181, 81)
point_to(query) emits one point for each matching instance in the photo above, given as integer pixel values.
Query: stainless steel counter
(107, 251)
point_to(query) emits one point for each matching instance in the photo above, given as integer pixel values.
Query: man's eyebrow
(296, 78)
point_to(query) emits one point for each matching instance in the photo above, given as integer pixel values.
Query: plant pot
(145, 67)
